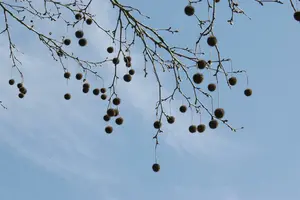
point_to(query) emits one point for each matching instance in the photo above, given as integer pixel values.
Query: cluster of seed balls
(189, 10)
(22, 89)
(78, 34)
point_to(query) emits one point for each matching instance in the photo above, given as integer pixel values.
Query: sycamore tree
(185, 65)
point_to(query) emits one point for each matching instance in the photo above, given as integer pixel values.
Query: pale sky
(51, 148)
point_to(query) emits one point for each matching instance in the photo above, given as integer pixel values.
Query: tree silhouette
(159, 55)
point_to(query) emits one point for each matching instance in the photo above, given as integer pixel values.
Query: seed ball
(11, 81)
(21, 95)
(171, 119)
(131, 71)
(232, 81)
(103, 96)
(189, 10)
(182, 108)
(212, 41)
(201, 128)
(116, 61)
(19, 85)
(213, 124)
(85, 90)
(106, 118)
(119, 120)
(192, 129)
(116, 112)
(108, 129)
(110, 49)
(67, 42)
(78, 16)
(22, 90)
(127, 77)
(82, 42)
(127, 59)
(217, 1)
(110, 112)
(155, 167)
(86, 85)
(79, 33)
(198, 78)
(78, 76)
(67, 96)
(157, 124)
(59, 53)
(211, 87)
(219, 113)
(96, 91)
(102, 90)
(116, 101)
(201, 64)
(89, 21)
(297, 16)
(248, 92)
(67, 75)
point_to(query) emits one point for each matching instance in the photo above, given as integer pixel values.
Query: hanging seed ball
(96, 91)
(78, 76)
(102, 90)
(171, 119)
(219, 113)
(212, 41)
(297, 16)
(213, 124)
(211, 87)
(157, 124)
(103, 96)
(127, 77)
(232, 81)
(60, 53)
(79, 33)
(201, 128)
(110, 49)
(11, 81)
(89, 21)
(155, 167)
(217, 1)
(189, 10)
(110, 112)
(106, 118)
(192, 129)
(86, 85)
(67, 75)
(85, 90)
(198, 78)
(116, 112)
(23, 90)
(201, 64)
(67, 96)
(116, 61)
(108, 129)
(182, 108)
(116, 101)
(127, 59)
(19, 85)
(119, 121)
(78, 16)
(248, 92)
(21, 95)
(131, 71)
(67, 42)
(82, 42)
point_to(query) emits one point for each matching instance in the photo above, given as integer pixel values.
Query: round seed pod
(102, 90)
(211, 87)
(108, 129)
(78, 16)
(110, 49)
(106, 118)
(131, 72)
(248, 92)
(116, 101)
(116, 61)
(119, 121)
(219, 113)
(157, 124)
(11, 81)
(232, 81)
(155, 167)
(127, 77)
(171, 119)
(201, 64)
(182, 108)
(89, 21)
(67, 75)
(212, 41)
(82, 42)
(110, 112)
(213, 124)
(192, 129)
(96, 91)
(198, 78)
(189, 10)
(201, 128)
(78, 76)
(103, 96)
(79, 34)
(67, 96)
(297, 16)
(67, 42)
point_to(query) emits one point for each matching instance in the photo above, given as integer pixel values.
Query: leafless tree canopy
(159, 55)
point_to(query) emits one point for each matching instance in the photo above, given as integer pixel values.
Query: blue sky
(56, 149)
